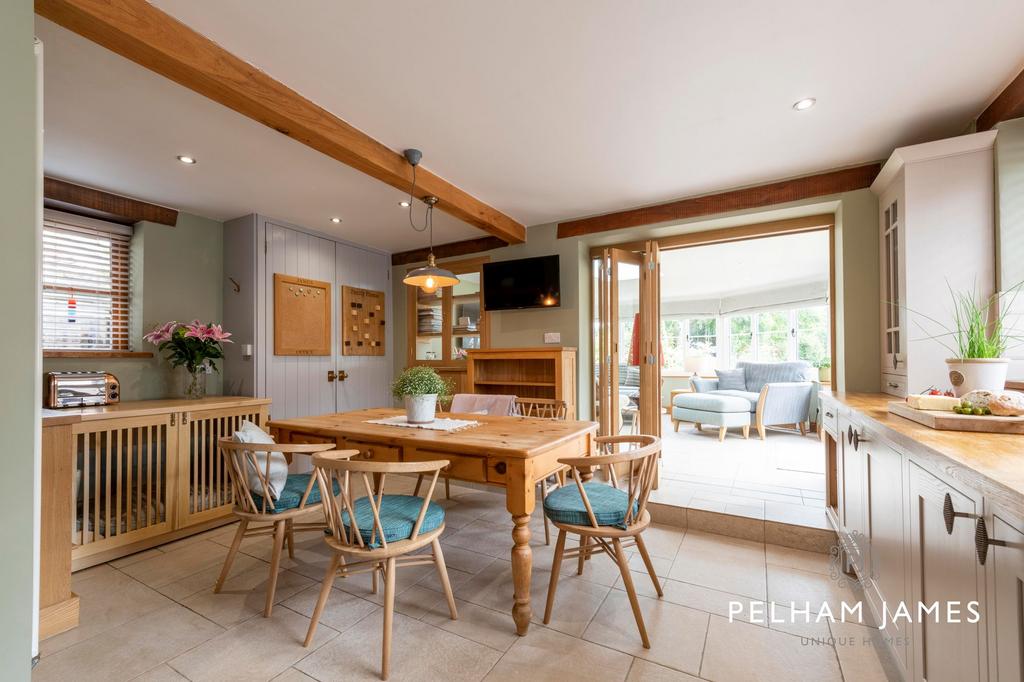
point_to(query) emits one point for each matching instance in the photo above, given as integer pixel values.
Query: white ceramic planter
(988, 374)
(419, 409)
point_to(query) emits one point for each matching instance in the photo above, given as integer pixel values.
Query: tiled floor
(153, 616)
(781, 478)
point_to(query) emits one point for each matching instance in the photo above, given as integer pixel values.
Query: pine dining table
(514, 453)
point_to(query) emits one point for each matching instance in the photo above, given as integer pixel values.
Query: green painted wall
(19, 354)
(176, 275)
(857, 284)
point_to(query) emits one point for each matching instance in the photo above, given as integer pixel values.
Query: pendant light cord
(429, 221)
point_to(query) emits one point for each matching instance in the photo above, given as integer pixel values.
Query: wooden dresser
(122, 478)
(922, 516)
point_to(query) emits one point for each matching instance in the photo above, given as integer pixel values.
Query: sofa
(777, 392)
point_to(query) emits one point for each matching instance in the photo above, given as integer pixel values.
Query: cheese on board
(940, 403)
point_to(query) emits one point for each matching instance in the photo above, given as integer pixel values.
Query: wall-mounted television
(523, 283)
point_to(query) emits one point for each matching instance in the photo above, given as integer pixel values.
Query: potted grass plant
(418, 388)
(824, 370)
(978, 340)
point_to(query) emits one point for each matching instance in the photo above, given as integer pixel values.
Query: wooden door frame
(773, 228)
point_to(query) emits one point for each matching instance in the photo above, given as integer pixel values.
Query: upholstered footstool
(723, 411)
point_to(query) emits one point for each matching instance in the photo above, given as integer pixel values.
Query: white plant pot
(988, 374)
(419, 409)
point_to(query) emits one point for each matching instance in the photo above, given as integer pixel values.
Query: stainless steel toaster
(80, 389)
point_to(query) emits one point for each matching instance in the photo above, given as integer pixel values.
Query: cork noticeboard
(362, 321)
(302, 316)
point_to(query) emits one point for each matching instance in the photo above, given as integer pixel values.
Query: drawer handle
(893, 384)
(949, 515)
(830, 415)
(501, 468)
(982, 540)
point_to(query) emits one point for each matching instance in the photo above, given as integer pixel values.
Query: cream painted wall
(1010, 227)
(178, 278)
(857, 319)
(19, 355)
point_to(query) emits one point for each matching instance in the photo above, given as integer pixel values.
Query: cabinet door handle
(858, 439)
(331, 376)
(895, 361)
(949, 515)
(849, 434)
(342, 375)
(982, 540)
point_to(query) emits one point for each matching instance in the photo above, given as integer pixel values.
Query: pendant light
(429, 278)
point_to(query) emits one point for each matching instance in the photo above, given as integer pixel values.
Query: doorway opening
(745, 335)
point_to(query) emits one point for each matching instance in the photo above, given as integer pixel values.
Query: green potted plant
(419, 388)
(980, 338)
(824, 370)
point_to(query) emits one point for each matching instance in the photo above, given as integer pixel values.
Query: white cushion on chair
(251, 433)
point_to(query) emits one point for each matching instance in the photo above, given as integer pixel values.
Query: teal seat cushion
(609, 504)
(398, 514)
(291, 495)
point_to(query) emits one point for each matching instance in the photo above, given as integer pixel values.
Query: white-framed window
(86, 274)
(758, 336)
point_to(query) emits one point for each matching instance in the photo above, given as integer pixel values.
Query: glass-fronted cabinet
(444, 325)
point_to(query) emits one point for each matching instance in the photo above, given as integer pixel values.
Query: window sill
(95, 354)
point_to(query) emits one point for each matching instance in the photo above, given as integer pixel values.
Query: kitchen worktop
(992, 463)
(140, 408)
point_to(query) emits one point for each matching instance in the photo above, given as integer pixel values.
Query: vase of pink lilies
(194, 346)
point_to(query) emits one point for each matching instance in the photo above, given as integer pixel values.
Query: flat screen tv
(523, 283)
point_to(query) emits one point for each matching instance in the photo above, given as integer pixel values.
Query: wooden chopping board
(951, 421)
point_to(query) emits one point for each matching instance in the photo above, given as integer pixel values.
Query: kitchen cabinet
(944, 570)
(908, 506)
(930, 195)
(1004, 574)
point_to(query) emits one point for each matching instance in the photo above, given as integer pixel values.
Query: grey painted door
(369, 377)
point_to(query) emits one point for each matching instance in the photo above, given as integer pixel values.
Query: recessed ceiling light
(403, 204)
(804, 104)
(188, 160)
(335, 220)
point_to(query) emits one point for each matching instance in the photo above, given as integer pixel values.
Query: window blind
(86, 298)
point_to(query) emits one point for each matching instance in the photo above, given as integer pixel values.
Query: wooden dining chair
(259, 513)
(609, 518)
(378, 532)
(545, 408)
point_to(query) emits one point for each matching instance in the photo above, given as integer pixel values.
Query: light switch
(552, 337)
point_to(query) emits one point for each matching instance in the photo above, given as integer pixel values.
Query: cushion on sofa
(760, 373)
(731, 379)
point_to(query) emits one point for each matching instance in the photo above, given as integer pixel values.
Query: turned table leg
(522, 568)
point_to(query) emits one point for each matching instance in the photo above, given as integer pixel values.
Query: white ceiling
(756, 265)
(115, 125)
(546, 110)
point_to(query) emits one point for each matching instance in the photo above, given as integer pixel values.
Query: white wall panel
(369, 377)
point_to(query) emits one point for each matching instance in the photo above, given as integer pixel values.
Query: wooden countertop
(991, 463)
(140, 408)
(521, 437)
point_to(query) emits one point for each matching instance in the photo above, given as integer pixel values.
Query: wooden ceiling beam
(1008, 104)
(822, 184)
(449, 250)
(153, 39)
(95, 203)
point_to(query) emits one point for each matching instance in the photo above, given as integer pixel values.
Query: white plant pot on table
(419, 409)
(981, 374)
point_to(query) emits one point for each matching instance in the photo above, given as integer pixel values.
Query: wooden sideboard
(122, 478)
(543, 372)
(910, 505)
